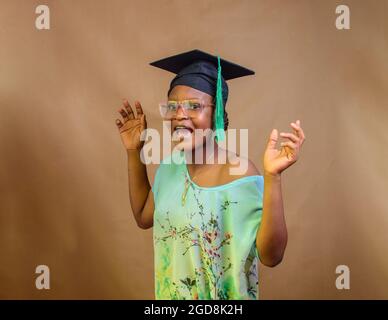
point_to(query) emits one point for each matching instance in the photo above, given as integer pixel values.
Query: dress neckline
(221, 186)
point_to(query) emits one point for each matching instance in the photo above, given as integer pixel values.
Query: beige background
(63, 183)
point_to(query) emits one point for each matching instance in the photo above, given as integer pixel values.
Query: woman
(210, 227)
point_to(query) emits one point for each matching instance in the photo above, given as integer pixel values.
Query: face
(186, 137)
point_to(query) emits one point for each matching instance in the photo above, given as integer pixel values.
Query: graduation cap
(206, 73)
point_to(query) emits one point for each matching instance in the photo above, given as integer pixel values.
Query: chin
(188, 140)
(188, 144)
(184, 145)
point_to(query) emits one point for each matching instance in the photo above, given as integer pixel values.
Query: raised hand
(275, 161)
(132, 125)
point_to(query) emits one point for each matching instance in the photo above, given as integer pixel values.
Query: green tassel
(219, 118)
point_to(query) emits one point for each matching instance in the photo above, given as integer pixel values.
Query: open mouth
(182, 132)
(183, 129)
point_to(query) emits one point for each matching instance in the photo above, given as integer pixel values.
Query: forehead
(181, 92)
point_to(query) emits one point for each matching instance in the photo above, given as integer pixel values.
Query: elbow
(273, 261)
(142, 225)
(273, 256)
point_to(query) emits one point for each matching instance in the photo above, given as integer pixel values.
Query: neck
(208, 150)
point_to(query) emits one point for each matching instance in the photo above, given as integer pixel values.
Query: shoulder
(241, 166)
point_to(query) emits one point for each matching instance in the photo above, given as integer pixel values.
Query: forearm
(138, 184)
(271, 238)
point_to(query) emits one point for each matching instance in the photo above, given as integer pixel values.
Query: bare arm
(140, 193)
(271, 238)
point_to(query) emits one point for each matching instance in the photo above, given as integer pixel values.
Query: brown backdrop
(63, 180)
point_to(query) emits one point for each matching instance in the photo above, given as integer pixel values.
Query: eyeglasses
(192, 108)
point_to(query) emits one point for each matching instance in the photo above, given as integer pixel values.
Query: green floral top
(205, 247)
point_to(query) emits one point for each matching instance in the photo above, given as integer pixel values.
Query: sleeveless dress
(205, 247)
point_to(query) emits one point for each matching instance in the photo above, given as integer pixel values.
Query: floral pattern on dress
(210, 239)
(202, 234)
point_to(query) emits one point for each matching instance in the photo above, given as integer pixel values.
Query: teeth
(182, 131)
(181, 127)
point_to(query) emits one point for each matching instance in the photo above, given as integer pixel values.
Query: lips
(181, 128)
(182, 132)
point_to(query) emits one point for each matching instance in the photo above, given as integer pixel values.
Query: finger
(124, 114)
(273, 139)
(290, 136)
(296, 128)
(300, 131)
(139, 110)
(119, 123)
(143, 121)
(289, 144)
(129, 109)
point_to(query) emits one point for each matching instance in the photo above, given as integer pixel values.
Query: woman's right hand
(131, 126)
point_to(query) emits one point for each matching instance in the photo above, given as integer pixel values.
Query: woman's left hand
(275, 161)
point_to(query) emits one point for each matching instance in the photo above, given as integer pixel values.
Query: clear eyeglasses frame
(191, 107)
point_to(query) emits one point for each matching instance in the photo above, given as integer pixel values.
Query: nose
(180, 113)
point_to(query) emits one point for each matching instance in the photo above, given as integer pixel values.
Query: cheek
(204, 121)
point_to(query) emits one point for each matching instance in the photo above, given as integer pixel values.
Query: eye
(171, 106)
(195, 105)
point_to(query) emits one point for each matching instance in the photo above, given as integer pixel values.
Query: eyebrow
(187, 99)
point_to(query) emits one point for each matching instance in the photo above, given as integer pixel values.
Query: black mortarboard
(207, 73)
